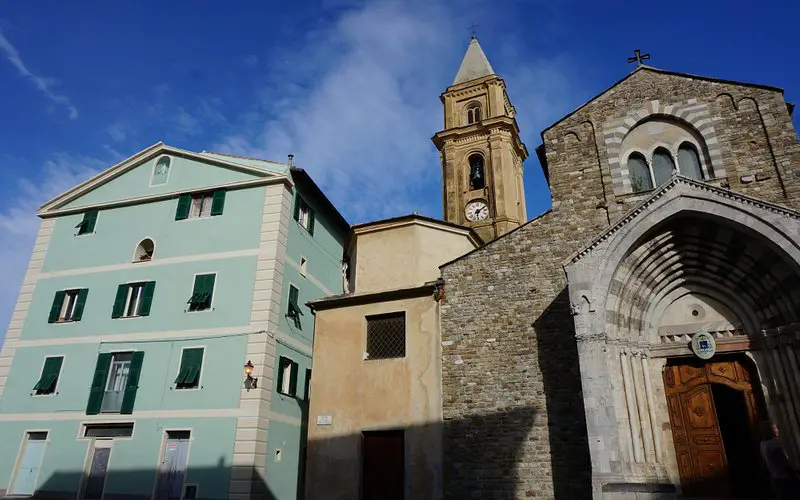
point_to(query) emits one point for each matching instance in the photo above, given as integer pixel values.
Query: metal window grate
(386, 336)
(108, 430)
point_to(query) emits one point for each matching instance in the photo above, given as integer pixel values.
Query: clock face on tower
(477, 211)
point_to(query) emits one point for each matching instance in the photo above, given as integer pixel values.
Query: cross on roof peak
(474, 31)
(638, 57)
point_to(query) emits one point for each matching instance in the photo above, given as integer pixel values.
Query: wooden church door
(694, 391)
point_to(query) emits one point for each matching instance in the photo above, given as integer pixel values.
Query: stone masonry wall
(512, 404)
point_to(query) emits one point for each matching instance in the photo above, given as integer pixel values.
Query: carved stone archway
(688, 242)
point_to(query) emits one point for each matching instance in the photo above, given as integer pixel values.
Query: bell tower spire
(481, 151)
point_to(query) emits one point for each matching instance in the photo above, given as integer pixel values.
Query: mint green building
(151, 290)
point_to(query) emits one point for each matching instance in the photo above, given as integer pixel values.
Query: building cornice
(45, 214)
(134, 161)
(356, 299)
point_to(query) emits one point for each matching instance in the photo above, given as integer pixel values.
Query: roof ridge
(242, 157)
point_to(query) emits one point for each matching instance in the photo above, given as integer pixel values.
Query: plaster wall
(347, 387)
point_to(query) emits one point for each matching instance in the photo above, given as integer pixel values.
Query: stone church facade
(567, 370)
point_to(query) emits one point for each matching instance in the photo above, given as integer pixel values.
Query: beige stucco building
(376, 380)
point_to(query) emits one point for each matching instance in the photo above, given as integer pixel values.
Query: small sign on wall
(703, 345)
(324, 420)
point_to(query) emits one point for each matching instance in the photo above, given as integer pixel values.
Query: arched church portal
(640, 294)
(697, 273)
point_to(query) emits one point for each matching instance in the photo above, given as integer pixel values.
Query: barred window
(386, 336)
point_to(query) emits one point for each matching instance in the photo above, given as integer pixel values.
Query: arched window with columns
(473, 113)
(689, 161)
(639, 173)
(663, 166)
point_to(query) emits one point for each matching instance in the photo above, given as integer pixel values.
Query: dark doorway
(715, 409)
(383, 466)
(738, 438)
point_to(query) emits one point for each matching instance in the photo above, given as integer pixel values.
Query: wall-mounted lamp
(250, 382)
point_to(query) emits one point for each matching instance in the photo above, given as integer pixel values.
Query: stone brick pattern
(515, 423)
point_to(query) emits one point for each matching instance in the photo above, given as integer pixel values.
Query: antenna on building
(291, 160)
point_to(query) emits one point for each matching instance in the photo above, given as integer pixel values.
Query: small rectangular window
(293, 310)
(386, 336)
(303, 266)
(304, 214)
(200, 205)
(48, 380)
(191, 366)
(133, 299)
(287, 376)
(86, 226)
(68, 305)
(108, 430)
(202, 292)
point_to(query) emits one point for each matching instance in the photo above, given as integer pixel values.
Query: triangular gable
(677, 181)
(651, 69)
(109, 185)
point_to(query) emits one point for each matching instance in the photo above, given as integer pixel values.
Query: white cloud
(186, 123)
(358, 104)
(43, 84)
(117, 132)
(19, 223)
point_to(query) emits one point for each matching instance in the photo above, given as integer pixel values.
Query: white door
(24, 482)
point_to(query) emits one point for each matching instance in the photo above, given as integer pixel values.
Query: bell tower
(481, 150)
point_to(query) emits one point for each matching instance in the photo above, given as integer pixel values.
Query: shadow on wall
(336, 472)
(483, 450)
(561, 378)
(120, 484)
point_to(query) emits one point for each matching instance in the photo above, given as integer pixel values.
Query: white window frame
(66, 307)
(200, 206)
(130, 298)
(126, 363)
(153, 172)
(302, 214)
(286, 381)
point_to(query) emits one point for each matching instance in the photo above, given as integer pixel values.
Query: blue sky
(351, 88)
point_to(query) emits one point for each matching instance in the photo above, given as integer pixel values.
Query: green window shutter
(218, 202)
(311, 221)
(281, 363)
(133, 383)
(77, 314)
(119, 301)
(147, 298)
(55, 309)
(184, 203)
(191, 365)
(89, 219)
(50, 372)
(98, 383)
(293, 379)
(297, 207)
